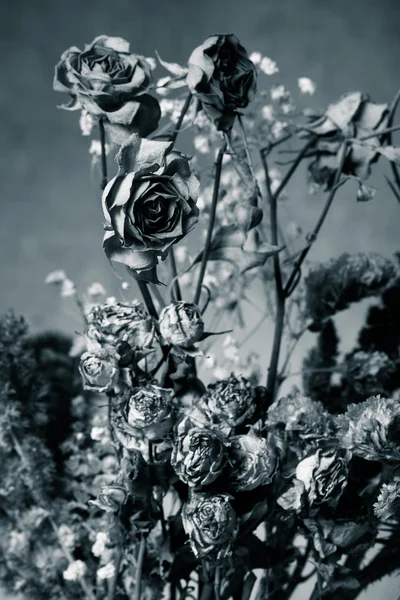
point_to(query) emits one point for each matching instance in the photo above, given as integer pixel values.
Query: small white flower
(306, 85)
(181, 253)
(100, 543)
(278, 92)
(287, 107)
(67, 536)
(98, 433)
(106, 572)
(256, 57)
(221, 373)
(177, 110)
(96, 289)
(56, 277)
(267, 112)
(95, 148)
(152, 62)
(67, 288)
(86, 123)
(76, 570)
(111, 300)
(166, 106)
(278, 129)
(268, 66)
(125, 285)
(202, 144)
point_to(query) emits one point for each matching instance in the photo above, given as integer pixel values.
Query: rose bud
(99, 370)
(231, 400)
(254, 461)
(147, 411)
(210, 523)
(111, 497)
(114, 324)
(149, 205)
(110, 83)
(371, 429)
(198, 456)
(181, 324)
(222, 77)
(324, 475)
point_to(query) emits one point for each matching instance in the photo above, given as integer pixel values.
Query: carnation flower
(144, 412)
(181, 324)
(210, 523)
(324, 475)
(198, 455)
(253, 461)
(109, 82)
(371, 429)
(123, 322)
(222, 77)
(99, 370)
(387, 505)
(149, 205)
(232, 400)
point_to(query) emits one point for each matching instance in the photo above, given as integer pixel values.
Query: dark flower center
(227, 60)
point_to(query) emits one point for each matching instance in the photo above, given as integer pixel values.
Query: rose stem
(104, 177)
(207, 245)
(148, 300)
(139, 568)
(176, 286)
(179, 122)
(217, 583)
(113, 585)
(293, 279)
(294, 166)
(280, 296)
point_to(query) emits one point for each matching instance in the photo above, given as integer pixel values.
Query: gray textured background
(50, 215)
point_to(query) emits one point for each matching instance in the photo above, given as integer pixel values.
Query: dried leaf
(173, 68)
(343, 111)
(365, 193)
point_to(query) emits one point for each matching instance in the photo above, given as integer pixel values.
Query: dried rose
(114, 324)
(198, 455)
(387, 505)
(254, 461)
(149, 205)
(109, 82)
(232, 400)
(146, 412)
(371, 429)
(324, 475)
(99, 370)
(222, 77)
(210, 523)
(111, 497)
(181, 324)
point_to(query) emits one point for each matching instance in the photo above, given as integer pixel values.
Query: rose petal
(138, 154)
(134, 259)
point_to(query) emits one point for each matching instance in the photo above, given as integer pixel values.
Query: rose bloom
(146, 412)
(114, 324)
(110, 83)
(222, 77)
(181, 324)
(198, 455)
(253, 460)
(324, 475)
(99, 370)
(149, 205)
(210, 523)
(232, 400)
(371, 429)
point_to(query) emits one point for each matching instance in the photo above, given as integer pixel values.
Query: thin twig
(104, 176)
(294, 166)
(117, 564)
(207, 244)
(179, 122)
(289, 288)
(176, 287)
(148, 300)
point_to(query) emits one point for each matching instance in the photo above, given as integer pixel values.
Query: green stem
(207, 244)
(176, 287)
(117, 564)
(139, 568)
(148, 300)
(104, 176)
(293, 279)
(293, 168)
(378, 133)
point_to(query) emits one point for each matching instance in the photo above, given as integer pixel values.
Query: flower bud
(247, 217)
(210, 523)
(232, 400)
(111, 497)
(181, 324)
(114, 324)
(99, 370)
(144, 412)
(254, 461)
(198, 456)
